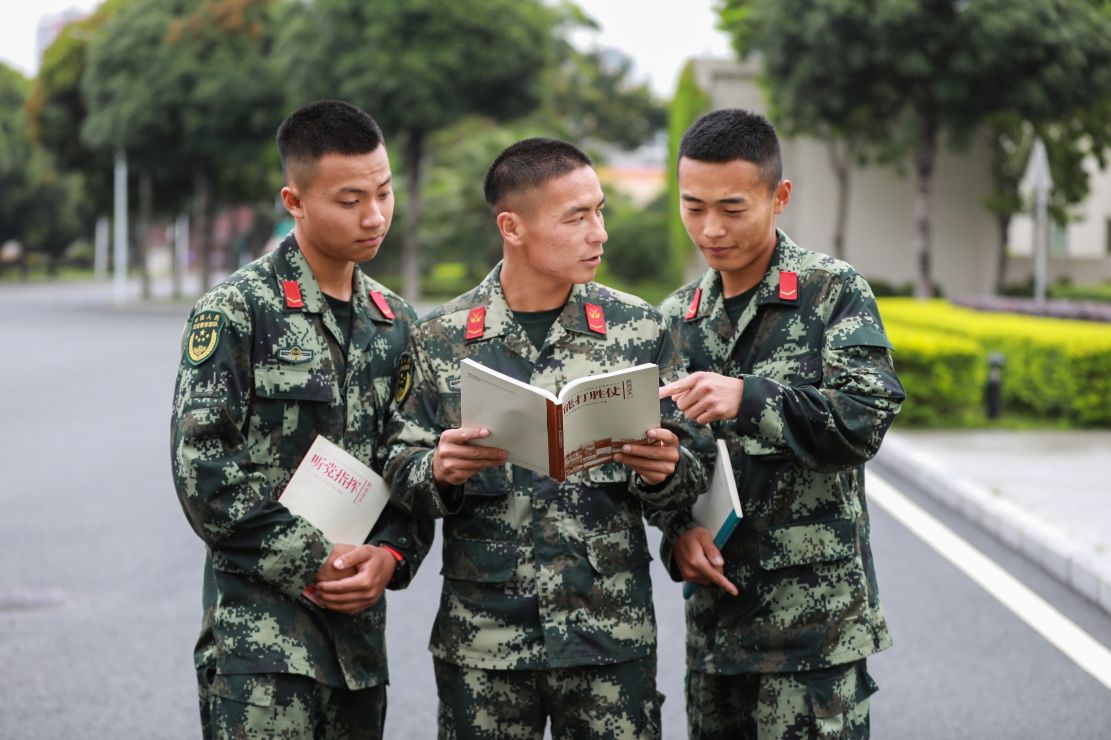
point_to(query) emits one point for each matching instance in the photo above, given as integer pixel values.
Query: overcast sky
(658, 34)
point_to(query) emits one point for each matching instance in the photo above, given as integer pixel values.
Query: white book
(719, 508)
(560, 435)
(336, 492)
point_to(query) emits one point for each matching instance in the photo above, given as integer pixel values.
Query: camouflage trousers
(282, 705)
(809, 705)
(613, 701)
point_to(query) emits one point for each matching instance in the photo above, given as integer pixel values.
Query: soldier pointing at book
(546, 611)
(790, 365)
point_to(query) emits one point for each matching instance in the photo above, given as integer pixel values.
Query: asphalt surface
(100, 589)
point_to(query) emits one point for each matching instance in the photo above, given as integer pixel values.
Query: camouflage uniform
(819, 394)
(261, 375)
(539, 575)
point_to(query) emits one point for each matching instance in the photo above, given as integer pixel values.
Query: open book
(719, 508)
(561, 435)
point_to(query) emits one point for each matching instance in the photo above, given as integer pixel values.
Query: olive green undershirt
(537, 323)
(736, 305)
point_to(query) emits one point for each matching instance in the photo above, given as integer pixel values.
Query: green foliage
(902, 76)
(40, 207)
(1098, 292)
(638, 245)
(418, 65)
(1055, 369)
(943, 375)
(689, 103)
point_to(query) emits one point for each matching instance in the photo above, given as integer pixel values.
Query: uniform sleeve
(229, 504)
(409, 535)
(696, 444)
(412, 434)
(839, 421)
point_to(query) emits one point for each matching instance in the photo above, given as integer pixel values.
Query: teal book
(719, 508)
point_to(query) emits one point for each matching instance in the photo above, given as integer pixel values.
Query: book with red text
(560, 435)
(336, 492)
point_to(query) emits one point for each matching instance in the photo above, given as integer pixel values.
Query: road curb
(1045, 544)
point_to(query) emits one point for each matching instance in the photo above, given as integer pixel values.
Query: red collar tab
(788, 286)
(692, 310)
(380, 301)
(476, 323)
(292, 293)
(595, 319)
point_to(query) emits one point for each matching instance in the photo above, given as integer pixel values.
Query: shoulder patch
(404, 378)
(204, 336)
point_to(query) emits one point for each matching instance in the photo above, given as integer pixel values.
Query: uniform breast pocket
(290, 403)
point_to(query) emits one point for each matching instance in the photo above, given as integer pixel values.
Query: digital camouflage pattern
(825, 704)
(539, 574)
(819, 394)
(258, 381)
(610, 702)
(282, 705)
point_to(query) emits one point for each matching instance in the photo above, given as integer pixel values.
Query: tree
(823, 91)
(938, 68)
(185, 87)
(56, 110)
(418, 67)
(40, 204)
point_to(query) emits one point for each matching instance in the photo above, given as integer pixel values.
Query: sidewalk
(1045, 493)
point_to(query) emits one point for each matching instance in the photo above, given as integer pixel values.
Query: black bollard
(993, 393)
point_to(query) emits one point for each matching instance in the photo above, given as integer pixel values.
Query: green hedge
(1055, 369)
(943, 375)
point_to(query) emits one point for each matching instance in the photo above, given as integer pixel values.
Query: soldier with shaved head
(546, 610)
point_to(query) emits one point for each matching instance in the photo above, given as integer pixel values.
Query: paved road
(99, 593)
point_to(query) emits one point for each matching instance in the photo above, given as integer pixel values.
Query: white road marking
(1057, 629)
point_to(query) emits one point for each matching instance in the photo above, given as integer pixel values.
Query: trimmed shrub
(943, 375)
(1054, 368)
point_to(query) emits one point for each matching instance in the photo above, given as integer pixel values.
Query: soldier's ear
(291, 199)
(511, 226)
(782, 196)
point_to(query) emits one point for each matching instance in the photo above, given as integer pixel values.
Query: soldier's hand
(706, 397)
(372, 568)
(329, 571)
(454, 461)
(699, 561)
(653, 461)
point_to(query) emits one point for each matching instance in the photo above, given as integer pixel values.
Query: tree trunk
(202, 243)
(410, 250)
(841, 160)
(1003, 220)
(142, 244)
(925, 154)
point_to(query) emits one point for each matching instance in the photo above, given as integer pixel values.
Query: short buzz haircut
(321, 128)
(529, 164)
(733, 134)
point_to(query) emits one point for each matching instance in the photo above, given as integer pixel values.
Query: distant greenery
(1056, 370)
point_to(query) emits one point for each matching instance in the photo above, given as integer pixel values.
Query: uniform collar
(711, 305)
(290, 265)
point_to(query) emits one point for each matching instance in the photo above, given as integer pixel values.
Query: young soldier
(790, 365)
(298, 343)
(547, 606)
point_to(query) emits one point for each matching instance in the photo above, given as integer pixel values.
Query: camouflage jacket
(259, 379)
(819, 394)
(539, 574)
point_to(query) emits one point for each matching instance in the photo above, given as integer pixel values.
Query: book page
(602, 412)
(516, 414)
(336, 492)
